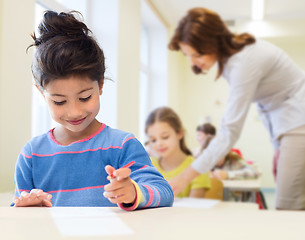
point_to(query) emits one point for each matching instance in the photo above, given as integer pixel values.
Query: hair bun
(60, 24)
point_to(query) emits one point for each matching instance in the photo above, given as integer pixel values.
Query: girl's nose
(74, 111)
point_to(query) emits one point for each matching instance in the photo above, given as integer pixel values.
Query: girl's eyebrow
(61, 95)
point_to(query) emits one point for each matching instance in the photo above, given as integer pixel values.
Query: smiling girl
(166, 136)
(73, 163)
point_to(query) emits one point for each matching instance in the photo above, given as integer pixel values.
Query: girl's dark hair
(207, 128)
(207, 141)
(207, 33)
(166, 114)
(65, 48)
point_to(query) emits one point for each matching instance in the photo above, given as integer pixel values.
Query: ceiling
(230, 10)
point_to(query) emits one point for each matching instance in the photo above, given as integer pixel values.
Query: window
(153, 72)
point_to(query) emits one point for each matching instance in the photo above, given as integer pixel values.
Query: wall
(129, 65)
(15, 84)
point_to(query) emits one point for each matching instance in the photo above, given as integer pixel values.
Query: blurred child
(166, 136)
(233, 166)
(203, 131)
(73, 163)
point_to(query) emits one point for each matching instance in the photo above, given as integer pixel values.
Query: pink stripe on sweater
(25, 155)
(73, 152)
(22, 190)
(151, 195)
(158, 195)
(78, 141)
(145, 166)
(77, 189)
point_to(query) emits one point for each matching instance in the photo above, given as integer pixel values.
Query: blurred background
(134, 35)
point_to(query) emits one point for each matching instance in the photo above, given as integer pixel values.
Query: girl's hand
(36, 198)
(120, 189)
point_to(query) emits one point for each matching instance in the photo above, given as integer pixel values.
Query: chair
(216, 190)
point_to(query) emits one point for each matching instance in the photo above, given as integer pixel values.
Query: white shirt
(264, 74)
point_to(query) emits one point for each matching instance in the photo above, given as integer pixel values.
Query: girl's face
(204, 62)
(201, 136)
(164, 140)
(73, 102)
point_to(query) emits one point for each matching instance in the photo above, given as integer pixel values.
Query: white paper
(195, 202)
(88, 222)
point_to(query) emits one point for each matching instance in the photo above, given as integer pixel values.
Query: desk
(179, 223)
(252, 186)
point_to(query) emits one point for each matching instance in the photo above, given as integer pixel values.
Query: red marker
(126, 166)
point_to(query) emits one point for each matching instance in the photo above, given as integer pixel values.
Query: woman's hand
(120, 189)
(36, 198)
(181, 181)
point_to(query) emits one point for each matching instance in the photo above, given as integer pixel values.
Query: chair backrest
(216, 190)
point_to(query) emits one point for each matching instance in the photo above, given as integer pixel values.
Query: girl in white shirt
(256, 71)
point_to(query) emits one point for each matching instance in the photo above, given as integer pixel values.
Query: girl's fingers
(109, 169)
(121, 173)
(117, 199)
(47, 203)
(35, 198)
(24, 195)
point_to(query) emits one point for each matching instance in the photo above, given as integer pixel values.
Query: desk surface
(241, 185)
(184, 223)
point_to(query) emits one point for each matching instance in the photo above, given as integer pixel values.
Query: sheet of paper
(88, 222)
(195, 202)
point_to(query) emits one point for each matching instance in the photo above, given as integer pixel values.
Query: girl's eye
(166, 137)
(59, 103)
(85, 99)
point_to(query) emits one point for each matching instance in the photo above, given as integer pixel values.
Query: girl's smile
(76, 122)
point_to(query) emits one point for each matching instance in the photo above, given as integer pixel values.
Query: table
(249, 185)
(227, 220)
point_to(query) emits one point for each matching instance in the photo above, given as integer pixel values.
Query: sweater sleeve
(23, 173)
(243, 74)
(152, 189)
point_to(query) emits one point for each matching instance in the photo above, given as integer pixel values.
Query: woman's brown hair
(207, 33)
(166, 114)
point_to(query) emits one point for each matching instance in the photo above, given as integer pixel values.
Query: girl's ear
(181, 134)
(101, 86)
(39, 89)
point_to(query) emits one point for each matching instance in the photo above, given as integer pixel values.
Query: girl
(166, 135)
(73, 162)
(203, 132)
(233, 167)
(257, 72)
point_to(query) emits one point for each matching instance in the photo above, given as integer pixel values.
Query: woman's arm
(183, 180)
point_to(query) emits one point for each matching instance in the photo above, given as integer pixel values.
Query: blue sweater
(75, 174)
